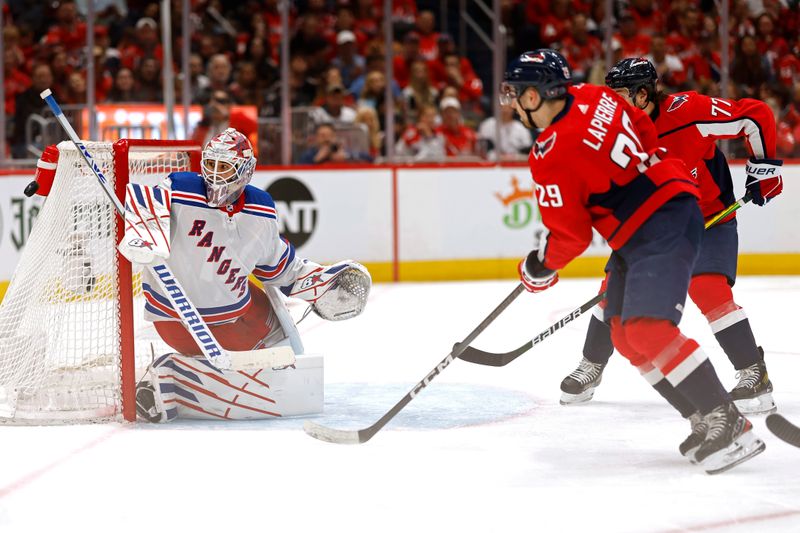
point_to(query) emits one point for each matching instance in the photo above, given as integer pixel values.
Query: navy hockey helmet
(634, 73)
(544, 69)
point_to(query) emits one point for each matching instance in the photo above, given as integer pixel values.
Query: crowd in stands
(337, 64)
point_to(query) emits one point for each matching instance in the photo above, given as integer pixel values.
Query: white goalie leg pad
(189, 387)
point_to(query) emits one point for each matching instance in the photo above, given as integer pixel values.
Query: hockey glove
(764, 180)
(534, 275)
(45, 172)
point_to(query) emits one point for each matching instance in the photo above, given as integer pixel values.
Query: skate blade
(575, 399)
(742, 449)
(760, 405)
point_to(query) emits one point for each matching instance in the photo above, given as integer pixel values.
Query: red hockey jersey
(689, 125)
(591, 168)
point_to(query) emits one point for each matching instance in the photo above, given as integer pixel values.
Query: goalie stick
(189, 314)
(480, 357)
(783, 429)
(343, 436)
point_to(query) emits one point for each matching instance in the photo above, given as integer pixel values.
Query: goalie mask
(227, 166)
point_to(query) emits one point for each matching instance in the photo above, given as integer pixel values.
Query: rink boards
(433, 222)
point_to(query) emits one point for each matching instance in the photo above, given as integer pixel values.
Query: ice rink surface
(481, 449)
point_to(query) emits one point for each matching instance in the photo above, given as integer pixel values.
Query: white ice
(481, 449)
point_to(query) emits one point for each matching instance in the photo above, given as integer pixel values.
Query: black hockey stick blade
(479, 357)
(783, 429)
(343, 436)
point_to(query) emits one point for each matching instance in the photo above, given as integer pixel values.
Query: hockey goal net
(72, 337)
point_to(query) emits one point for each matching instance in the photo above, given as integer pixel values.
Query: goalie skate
(730, 440)
(579, 386)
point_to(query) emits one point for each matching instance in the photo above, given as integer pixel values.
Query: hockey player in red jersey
(591, 170)
(688, 125)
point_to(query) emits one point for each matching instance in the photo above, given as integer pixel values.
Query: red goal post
(72, 337)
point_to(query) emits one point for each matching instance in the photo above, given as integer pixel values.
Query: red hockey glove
(45, 171)
(534, 275)
(764, 180)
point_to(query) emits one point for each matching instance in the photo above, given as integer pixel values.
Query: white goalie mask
(227, 166)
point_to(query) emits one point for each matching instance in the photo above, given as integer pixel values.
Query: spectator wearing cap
(459, 139)
(428, 36)
(327, 148)
(143, 42)
(628, 40)
(349, 62)
(515, 139)
(421, 141)
(420, 90)
(333, 108)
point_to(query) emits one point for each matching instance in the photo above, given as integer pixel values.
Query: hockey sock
(598, 347)
(728, 321)
(703, 388)
(662, 386)
(682, 362)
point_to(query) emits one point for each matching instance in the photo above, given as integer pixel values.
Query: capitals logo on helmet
(544, 69)
(227, 166)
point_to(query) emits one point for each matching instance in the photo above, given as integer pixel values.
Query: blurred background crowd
(442, 75)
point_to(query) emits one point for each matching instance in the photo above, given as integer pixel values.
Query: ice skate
(730, 440)
(579, 386)
(146, 404)
(699, 430)
(753, 394)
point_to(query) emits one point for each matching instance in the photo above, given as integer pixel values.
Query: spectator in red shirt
(555, 25)
(580, 48)
(704, 67)
(459, 139)
(422, 140)
(683, 41)
(14, 80)
(145, 42)
(459, 74)
(428, 36)
(27, 103)
(402, 63)
(68, 30)
(767, 42)
(791, 115)
(633, 43)
(649, 20)
(671, 72)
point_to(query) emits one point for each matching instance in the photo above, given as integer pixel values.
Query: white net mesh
(60, 318)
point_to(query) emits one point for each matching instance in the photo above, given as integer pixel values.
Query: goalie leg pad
(189, 387)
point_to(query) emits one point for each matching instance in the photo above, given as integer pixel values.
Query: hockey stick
(783, 429)
(342, 436)
(480, 357)
(190, 316)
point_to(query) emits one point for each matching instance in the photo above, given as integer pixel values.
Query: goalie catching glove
(764, 181)
(534, 275)
(146, 224)
(336, 292)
